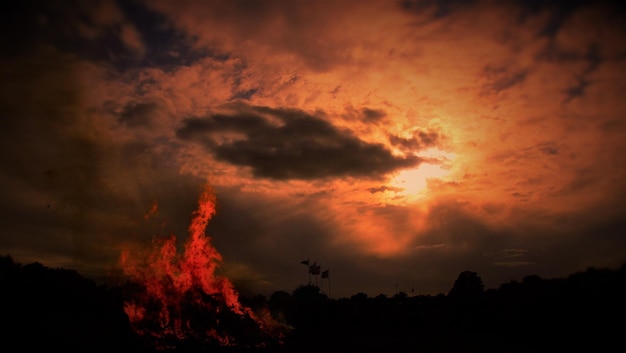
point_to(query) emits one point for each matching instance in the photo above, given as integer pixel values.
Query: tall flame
(180, 297)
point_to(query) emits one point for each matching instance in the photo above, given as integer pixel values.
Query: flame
(179, 297)
(153, 210)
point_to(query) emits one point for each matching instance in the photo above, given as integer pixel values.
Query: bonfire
(177, 300)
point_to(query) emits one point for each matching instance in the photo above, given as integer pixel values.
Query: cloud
(286, 144)
(436, 9)
(420, 139)
(383, 189)
(131, 38)
(323, 104)
(309, 37)
(93, 29)
(578, 90)
(500, 78)
(138, 114)
(549, 148)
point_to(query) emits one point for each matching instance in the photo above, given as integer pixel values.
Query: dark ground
(44, 309)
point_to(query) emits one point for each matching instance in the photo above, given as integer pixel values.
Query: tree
(467, 287)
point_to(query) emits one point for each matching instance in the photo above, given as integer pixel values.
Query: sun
(413, 181)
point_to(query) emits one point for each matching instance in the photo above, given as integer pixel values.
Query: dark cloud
(384, 188)
(244, 94)
(501, 78)
(577, 90)
(522, 197)
(93, 30)
(593, 57)
(549, 148)
(239, 92)
(436, 9)
(138, 114)
(546, 148)
(589, 54)
(559, 12)
(421, 139)
(373, 115)
(366, 115)
(124, 34)
(290, 144)
(167, 47)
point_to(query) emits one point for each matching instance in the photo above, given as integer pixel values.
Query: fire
(179, 298)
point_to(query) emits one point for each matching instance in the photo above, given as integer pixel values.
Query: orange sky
(393, 142)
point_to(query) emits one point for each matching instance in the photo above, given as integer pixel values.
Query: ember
(174, 299)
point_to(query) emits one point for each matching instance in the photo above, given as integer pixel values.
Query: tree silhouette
(45, 309)
(465, 297)
(467, 287)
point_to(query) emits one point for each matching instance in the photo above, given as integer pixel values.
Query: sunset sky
(395, 143)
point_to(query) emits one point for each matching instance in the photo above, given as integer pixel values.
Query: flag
(304, 262)
(314, 269)
(325, 274)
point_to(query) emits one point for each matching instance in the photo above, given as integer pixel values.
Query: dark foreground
(45, 309)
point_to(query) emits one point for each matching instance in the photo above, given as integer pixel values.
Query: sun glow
(413, 181)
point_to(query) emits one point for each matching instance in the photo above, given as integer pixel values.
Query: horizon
(112, 281)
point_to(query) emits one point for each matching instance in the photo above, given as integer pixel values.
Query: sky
(395, 144)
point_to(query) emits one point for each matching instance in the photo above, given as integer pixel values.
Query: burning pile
(178, 300)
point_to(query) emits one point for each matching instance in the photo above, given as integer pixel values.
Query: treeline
(583, 310)
(47, 309)
(43, 309)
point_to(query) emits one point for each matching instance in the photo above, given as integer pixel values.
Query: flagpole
(308, 269)
(326, 274)
(328, 278)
